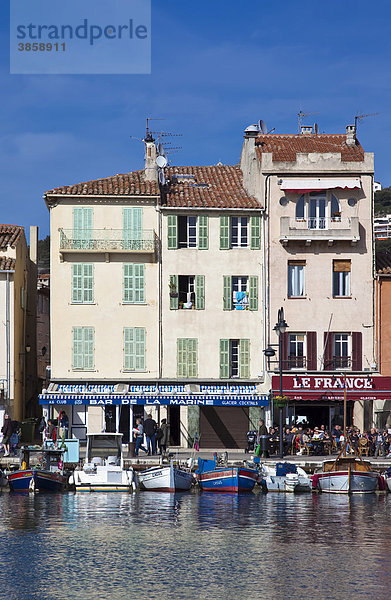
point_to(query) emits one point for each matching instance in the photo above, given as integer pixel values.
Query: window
(320, 208)
(133, 228)
(296, 358)
(187, 232)
(240, 232)
(240, 293)
(235, 359)
(341, 355)
(187, 357)
(134, 349)
(187, 291)
(335, 209)
(341, 278)
(317, 212)
(300, 206)
(82, 228)
(296, 278)
(82, 283)
(83, 348)
(133, 283)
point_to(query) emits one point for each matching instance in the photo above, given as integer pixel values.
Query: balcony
(317, 229)
(296, 362)
(108, 241)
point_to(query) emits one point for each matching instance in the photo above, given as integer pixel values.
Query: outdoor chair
(363, 447)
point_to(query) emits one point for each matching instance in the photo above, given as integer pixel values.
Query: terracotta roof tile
(9, 235)
(224, 188)
(285, 147)
(123, 184)
(7, 264)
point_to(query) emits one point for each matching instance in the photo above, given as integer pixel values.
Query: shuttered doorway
(223, 427)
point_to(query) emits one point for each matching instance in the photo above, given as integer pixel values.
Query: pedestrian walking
(150, 427)
(139, 433)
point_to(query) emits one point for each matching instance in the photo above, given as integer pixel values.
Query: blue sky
(216, 67)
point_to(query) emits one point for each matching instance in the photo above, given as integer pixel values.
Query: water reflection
(194, 545)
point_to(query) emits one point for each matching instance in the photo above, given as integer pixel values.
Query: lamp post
(280, 328)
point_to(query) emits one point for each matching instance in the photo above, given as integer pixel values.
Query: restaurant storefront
(318, 399)
(218, 416)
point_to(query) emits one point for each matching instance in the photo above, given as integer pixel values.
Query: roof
(224, 188)
(285, 147)
(7, 264)
(125, 184)
(9, 235)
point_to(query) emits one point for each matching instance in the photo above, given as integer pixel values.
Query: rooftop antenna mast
(147, 131)
(300, 117)
(358, 118)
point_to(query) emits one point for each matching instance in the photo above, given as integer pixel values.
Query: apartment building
(318, 196)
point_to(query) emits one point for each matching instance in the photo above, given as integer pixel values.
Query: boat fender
(71, 479)
(382, 483)
(315, 480)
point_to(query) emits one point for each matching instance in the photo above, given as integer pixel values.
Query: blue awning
(153, 400)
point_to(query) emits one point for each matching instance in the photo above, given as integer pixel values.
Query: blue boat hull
(231, 479)
(36, 479)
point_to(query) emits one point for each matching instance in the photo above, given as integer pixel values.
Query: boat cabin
(104, 449)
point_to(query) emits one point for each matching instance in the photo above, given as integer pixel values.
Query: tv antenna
(358, 118)
(300, 117)
(147, 131)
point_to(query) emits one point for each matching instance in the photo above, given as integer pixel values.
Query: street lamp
(280, 328)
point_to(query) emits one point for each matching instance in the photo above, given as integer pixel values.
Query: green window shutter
(224, 359)
(89, 347)
(139, 283)
(77, 348)
(227, 292)
(200, 292)
(244, 359)
(224, 232)
(82, 227)
(140, 348)
(172, 232)
(83, 348)
(77, 283)
(134, 348)
(88, 283)
(132, 228)
(174, 289)
(128, 283)
(203, 241)
(181, 357)
(255, 228)
(129, 353)
(253, 293)
(192, 357)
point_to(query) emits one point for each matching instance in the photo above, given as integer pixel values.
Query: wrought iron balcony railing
(296, 362)
(107, 240)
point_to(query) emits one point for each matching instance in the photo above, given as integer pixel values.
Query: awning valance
(301, 186)
(153, 400)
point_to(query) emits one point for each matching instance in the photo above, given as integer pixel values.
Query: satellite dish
(262, 126)
(161, 162)
(316, 128)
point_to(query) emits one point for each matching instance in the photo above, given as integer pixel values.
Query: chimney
(350, 135)
(150, 159)
(306, 129)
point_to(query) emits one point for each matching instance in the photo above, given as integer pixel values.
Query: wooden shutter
(311, 351)
(244, 359)
(132, 227)
(192, 357)
(255, 229)
(88, 347)
(224, 232)
(284, 350)
(139, 283)
(174, 300)
(342, 265)
(127, 282)
(77, 348)
(181, 357)
(77, 283)
(82, 227)
(203, 241)
(328, 364)
(200, 292)
(224, 359)
(172, 232)
(253, 293)
(227, 292)
(129, 349)
(139, 337)
(356, 351)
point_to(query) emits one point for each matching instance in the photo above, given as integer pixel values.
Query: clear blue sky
(216, 67)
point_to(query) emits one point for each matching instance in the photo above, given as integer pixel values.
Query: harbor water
(194, 545)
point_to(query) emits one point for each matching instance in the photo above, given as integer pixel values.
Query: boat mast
(345, 433)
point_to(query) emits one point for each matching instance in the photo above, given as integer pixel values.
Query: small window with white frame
(187, 232)
(341, 351)
(341, 278)
(296, 351)
(296, 278)
(239, 232)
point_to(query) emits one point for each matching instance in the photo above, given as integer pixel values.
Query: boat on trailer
(212, 478)
(165, 479)
(46, 476)
(103, 469)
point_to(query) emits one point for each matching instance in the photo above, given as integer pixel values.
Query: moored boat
(346, 475)
(46, 476)
(165, 479)
(285, 477)
(225, 479)
(103, 469)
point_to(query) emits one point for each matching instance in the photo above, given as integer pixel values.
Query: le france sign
(329, 387)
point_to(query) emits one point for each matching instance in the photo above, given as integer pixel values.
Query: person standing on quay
(165, 437)
(150, 427)
(6, 430)
(139, 432)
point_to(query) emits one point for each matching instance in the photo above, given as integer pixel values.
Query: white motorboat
(285, 477)
(103, 470)
(346, 475)
(165, 479)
